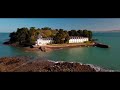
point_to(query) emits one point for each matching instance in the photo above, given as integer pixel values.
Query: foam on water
(97, 68)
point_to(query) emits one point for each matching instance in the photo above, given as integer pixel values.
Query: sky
(93, 24)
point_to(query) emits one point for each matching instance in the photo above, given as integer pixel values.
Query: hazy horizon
(93, 24)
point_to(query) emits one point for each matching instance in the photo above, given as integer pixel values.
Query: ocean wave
(99, 69)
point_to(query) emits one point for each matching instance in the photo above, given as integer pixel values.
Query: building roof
(76, 37)
(50, 38)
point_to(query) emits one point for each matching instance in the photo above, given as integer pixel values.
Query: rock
(42, 49)
(31, 46)
(21, 64)
(7, 42)
(101, 45)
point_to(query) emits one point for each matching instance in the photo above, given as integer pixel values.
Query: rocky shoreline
(27, 64)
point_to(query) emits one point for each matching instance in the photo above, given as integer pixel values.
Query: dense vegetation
(24, 36)
(28, 36)
(83, 33)
(61, 37)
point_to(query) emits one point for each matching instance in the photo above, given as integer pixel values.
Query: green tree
(13, 37)
(24, 36)
(21, 35)
(46, 33)
(80, 33)
(73, 33)
(85, 33)
(61, 37)
(46, 28)
(32, 28)
(90, 35)
(67, 37)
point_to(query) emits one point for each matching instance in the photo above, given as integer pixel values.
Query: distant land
(91, 30)
(115, 31)
(108, 31)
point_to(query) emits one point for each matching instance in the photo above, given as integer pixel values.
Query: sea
(108, 58)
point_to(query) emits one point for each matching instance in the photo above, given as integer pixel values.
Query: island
(47, 39)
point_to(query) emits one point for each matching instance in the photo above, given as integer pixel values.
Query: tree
(56, 29)
(24, 36)
(32, 28)
(46, 28)
(67, 37)
(90, 35)
(73, 33)
(13, 37)
(85, 33)
(53, 33)
(46, 33)
(61, 37)
(21, 34)
(80, 33)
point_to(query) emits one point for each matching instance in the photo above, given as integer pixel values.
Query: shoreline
(27, 64)
(52, 47)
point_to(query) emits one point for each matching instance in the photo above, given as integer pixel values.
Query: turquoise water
(104, 57)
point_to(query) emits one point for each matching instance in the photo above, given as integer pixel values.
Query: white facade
(43, 41)
(78, 39)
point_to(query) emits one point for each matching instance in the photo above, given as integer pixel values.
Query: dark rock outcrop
(31, 46)
(69, 67)
(101, 45)
(42, 49)
(7, 42)
(25, 64)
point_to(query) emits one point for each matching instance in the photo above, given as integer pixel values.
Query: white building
(73, 39)
(43, 41)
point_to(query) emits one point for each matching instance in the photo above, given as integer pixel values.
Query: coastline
(51, 47)
(27, 64)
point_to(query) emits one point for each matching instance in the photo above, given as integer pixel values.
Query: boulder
(42, 49)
